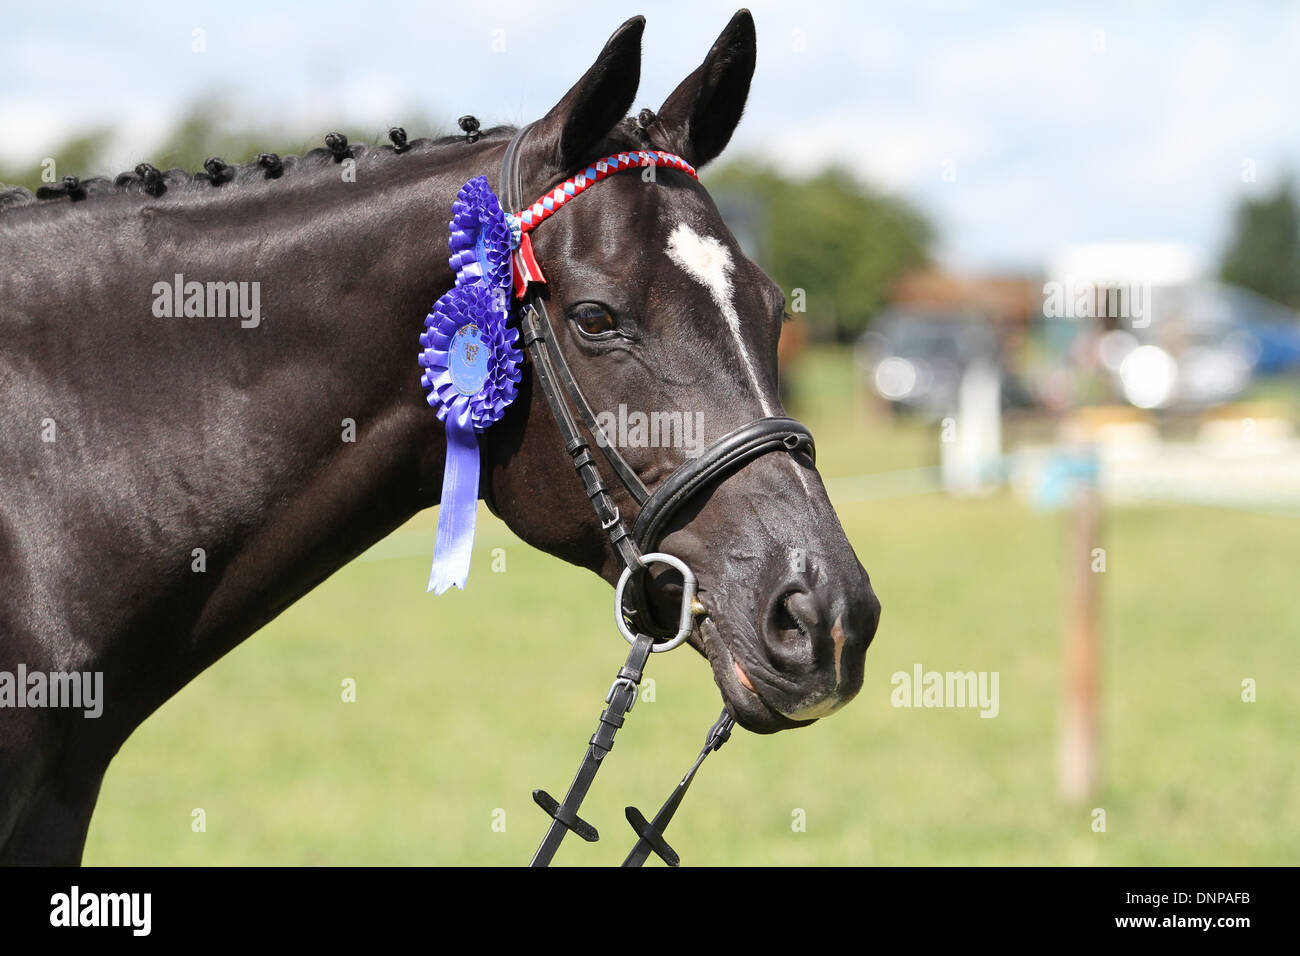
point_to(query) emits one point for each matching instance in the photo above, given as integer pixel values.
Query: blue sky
(1021, 128)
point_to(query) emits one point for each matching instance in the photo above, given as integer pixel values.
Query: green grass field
(468, 701)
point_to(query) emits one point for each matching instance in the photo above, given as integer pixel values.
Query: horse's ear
(697, 120)
(566, 136)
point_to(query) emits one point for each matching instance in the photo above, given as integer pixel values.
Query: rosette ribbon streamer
(471, 361)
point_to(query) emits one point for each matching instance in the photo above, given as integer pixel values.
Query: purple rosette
(481, 239)
(452, 395)
(471, 362)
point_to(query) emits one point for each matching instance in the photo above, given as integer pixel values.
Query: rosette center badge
(469, 360)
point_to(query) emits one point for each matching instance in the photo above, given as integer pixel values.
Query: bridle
(635, 547)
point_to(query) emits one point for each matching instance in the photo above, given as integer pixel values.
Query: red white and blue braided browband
(526, 269)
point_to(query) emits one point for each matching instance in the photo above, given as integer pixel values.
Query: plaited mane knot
(272, 163)
(216, 171)
(70, 187)
(337, 144)
(644, 120)
(470, 125)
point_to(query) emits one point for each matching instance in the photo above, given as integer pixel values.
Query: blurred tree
(1264, 252)
(829, 235)
(75, 156)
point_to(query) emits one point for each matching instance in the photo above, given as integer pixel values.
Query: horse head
(671, 332)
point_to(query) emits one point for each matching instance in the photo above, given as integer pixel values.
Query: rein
(635, 547)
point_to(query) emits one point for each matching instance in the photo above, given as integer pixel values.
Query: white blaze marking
(708, 261)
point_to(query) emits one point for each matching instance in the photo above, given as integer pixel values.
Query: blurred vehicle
(1207, 342)
(915, 359)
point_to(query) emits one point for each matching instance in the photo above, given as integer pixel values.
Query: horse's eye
(593, 319)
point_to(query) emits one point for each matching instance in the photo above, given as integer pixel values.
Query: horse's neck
(281, 449)
(340, 428)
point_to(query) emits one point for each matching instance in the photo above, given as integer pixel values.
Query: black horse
(169, 484)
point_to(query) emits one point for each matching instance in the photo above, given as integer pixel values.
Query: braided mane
(146, 180)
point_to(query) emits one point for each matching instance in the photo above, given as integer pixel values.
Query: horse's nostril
(784, 622)
(791, 631)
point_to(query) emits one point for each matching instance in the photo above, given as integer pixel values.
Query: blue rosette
(481, 238)
(470, 356)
